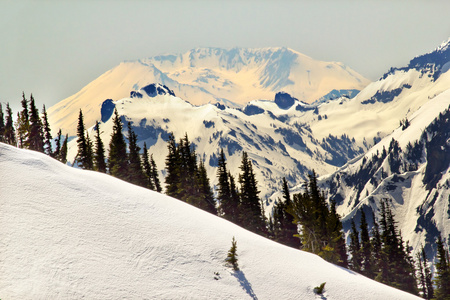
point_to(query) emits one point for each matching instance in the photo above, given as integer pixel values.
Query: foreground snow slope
(68, 233)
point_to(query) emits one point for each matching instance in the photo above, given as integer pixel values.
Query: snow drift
(69, 234)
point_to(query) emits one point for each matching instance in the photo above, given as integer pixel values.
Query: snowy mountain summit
(209, 75)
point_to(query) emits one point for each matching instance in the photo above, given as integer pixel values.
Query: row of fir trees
(31, 130)
(120, 163)
(303, 221)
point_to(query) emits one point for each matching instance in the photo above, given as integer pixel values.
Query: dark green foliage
(367, 267)
(35, 139)
(154, 175)
(442, 276)
(206, 201)
(355, 249)
(283, 227)
(23, 124)
(227, 207)
(9, 135)
(232, 259)
(187, 187)
(57, 153)
(117, 159)
(186, 180)
(84, 154)
(321, 228)
(47, 133)
(147, 168)
(424, 277)
(395, 266)
(99, 156)
(63, 154)
(2, 124)
(320, 289)
(173, 164)
(250, 210)
(337, 245)
(135, 172)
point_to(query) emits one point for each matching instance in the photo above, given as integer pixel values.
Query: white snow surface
(67, 233)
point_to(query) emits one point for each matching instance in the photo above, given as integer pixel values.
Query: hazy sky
(54, 48)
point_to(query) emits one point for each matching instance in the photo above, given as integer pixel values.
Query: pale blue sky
(54, 48)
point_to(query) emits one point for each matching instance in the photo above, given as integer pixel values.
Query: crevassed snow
(66, 233)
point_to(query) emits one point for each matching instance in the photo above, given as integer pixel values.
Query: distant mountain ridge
(209, 75)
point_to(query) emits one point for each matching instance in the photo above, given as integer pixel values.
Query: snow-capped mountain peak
(209, 75)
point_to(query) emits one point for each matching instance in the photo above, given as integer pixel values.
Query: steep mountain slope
(210, 75)
(69, 233)
(277, 145)
(411, 168)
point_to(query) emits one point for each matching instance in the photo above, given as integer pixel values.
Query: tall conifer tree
(135, 172)
(173, 164)
(147, 168)
(226, 208)
(36, 135)
(208, 202)
(10, 137)
(23, 124)
(47, 133)
(84, 154)
(63, 154)
(366, 248)
(355, 249)
(2, 124)
(154, 175)
(117, 159)
(99, 156)
(57, 153)
(250, 211)
(442, 276)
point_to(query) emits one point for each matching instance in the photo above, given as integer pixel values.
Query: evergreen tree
(63, 155)
(90, 152)
(99, 156)
(47, 134)
(235, 199)
(366, 248)
(84, 154)
(425, 276)
(376, 245)
(2, 124)
(36, 135)
(396, 267)
(117, 159)
(250, 211)
(154, 175)
(226, 207)
(232, 256)
(173, 163)
(147, 168)
(9, 135)
(57, 153)
(284, 229)
(442, 276)
(188, 184)
(207, 201)
(23, 124)
(355, 249)
(311, 212)
(135, 172)
(336, 242)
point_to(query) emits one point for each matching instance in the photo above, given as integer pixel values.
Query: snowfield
(66, 233)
